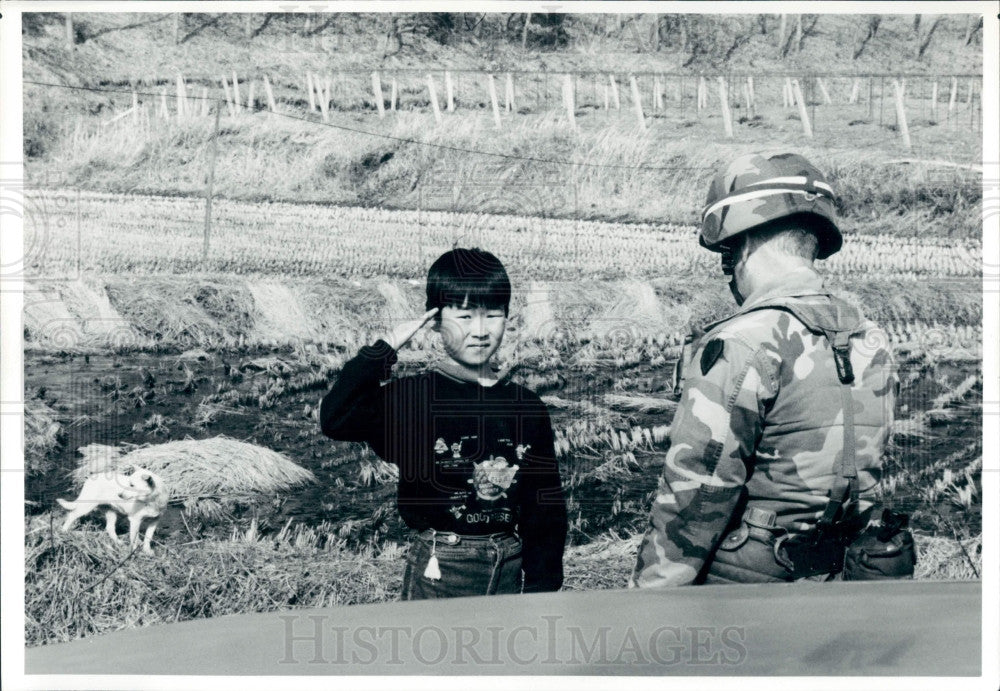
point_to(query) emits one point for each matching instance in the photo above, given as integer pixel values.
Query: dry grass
(79, 584)
(217, 467)
(41, 435)
(941, 558)
(264, 157)
(640, 404)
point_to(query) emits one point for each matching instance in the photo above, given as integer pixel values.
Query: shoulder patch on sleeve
(711, 354)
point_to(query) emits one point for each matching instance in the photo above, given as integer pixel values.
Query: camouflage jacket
(760, 421)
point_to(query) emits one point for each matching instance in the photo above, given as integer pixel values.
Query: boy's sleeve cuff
(379, 350)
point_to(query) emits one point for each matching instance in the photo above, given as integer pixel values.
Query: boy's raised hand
(402, 334)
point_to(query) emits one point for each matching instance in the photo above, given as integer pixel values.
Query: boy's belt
(454, 538)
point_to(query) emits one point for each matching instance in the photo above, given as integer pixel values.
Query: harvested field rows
(76, 232)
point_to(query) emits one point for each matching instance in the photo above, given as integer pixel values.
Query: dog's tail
(68, 505)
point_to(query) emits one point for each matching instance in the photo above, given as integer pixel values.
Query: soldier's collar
(801, 281)
(797, 283)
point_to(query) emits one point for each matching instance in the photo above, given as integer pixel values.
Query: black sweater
(456, 444)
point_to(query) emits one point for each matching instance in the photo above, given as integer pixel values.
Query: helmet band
(769, 191)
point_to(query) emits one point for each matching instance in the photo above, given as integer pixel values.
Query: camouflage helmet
(758, 188)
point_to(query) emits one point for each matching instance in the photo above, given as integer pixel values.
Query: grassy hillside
(407, 161)
(150, 46)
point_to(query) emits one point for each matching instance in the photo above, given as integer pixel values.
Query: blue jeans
(472, 566)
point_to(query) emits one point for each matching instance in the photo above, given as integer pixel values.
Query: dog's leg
(110, 518)
(71, 518)
(146, 543)
(134, 523)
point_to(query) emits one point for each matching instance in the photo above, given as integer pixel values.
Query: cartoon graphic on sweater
(440, 446)
(456, 450)
(492, 478)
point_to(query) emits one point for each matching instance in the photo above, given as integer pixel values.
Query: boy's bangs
(464, 294)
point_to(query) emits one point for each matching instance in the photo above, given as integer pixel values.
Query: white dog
(137, 494)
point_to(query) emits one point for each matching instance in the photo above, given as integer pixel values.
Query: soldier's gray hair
(795, 240)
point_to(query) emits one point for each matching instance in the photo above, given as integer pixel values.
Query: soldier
(777, 441)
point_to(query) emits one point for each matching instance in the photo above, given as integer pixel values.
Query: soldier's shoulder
(751, 328)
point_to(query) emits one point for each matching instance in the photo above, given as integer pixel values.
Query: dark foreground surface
(909, 628)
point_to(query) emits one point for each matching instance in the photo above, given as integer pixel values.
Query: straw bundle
(198, 468)
(158, 308)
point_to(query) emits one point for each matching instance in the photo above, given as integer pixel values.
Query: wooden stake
(803, 114)
(272, 106)
(657, 94)
(251, 106)
(377, 93)
(449, 91)
(972, 99)
(900, 89)
(164, 112)
(727, 118)
(637, 102)
(211, 181)
(568, 101)
(614, 92)
(954, 95)
(493, 100)
(434, 99)
(854, 92)
(309, 90)
(204, 101)
(607, 98)
(323, 95)
(822, 90)
(393, 95)
(180, 97)
(229, 100)
(972, 87)
(135, 102)
(236, 92)
(753, 96)
(934, 99)
(509, 94)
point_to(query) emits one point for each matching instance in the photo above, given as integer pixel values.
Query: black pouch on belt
(810, 554)
(882, 552)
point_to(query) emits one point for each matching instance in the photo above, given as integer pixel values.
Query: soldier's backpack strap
(838, 333)
(846, 483)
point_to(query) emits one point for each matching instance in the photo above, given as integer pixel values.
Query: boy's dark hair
(470, 278)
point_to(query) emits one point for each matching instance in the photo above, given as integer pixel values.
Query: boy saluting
(478, 478)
